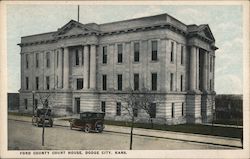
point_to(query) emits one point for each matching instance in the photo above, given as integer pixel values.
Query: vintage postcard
(124, 79)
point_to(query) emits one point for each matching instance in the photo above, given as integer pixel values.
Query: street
(24, 136)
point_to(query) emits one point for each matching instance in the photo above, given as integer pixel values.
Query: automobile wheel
(99, 127)
(87, 128)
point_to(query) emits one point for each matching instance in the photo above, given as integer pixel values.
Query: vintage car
(89, 121)
(42, 115)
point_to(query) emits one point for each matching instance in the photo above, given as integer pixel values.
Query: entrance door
(77, 105)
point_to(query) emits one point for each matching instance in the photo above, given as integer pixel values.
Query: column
(213, 73)
(93, 67)
(86, 67)
(205, 70)
(192, 78)
(197, 68)
(59, 67)
(66, 68)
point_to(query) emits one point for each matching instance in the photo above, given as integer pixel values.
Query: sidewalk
(197, 138)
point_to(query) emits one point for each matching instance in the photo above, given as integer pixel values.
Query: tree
(45, 97)
(45, 103)
(146, 103)
(133, 101)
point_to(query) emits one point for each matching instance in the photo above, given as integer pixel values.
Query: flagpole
(78, 10)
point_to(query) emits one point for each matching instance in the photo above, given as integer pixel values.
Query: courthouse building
(82, 67)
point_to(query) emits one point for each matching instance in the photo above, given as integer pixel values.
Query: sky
(225, 22)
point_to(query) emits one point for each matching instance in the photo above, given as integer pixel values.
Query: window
(119, 53)
(47, 59)
(37, 83)
(182, 56)
(118, 108)
(154, 81)
(79, 83)
(210, 84)
(135, 112)
(152, 110)
(172, 111)
(104, 82)
(103, 106)
(171, 81)
(57, 58)
(56, 81)
(136, 81)
(172, 52)
(181, 83)
(46, 103)
(104, 55)
(27, 60)
(119, 81)
(182, 109)
(154, 50)
(136, 52)
(82, 57)
(26, 103)
(27, 83)
(47, 83)
(37, 60)
(36, 103)
(76, 58)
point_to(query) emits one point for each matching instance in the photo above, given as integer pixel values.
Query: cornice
(166, 25)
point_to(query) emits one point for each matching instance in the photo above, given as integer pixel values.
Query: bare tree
(45, 97)
(146, 100)
(45, 103)
(133, 101)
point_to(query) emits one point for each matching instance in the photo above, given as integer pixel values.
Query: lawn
(187, 128)
(20, 114)
(238, 122)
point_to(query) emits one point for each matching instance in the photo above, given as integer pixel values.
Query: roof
(76, 29)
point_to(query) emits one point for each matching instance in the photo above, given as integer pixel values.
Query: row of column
(194, 69)
(89, 66)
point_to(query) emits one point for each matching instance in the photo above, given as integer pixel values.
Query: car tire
(87, 128)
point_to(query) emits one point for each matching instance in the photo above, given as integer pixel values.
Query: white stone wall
(90, 99)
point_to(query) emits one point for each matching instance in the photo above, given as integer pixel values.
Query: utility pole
(78, 10)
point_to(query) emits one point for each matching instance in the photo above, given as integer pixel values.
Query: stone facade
(72, 64)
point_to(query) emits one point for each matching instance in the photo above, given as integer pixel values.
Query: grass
(238, 122)
(186, 128)
(20, 114)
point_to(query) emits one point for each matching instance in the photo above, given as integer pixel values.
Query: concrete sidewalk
(188, 137)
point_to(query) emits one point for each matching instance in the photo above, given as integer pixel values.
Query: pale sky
(224, 21)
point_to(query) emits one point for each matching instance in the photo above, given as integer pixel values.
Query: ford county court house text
(83, 64)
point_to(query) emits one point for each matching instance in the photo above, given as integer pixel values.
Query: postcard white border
(134, 153)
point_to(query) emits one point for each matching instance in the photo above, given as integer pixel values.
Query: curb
(200, 142)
